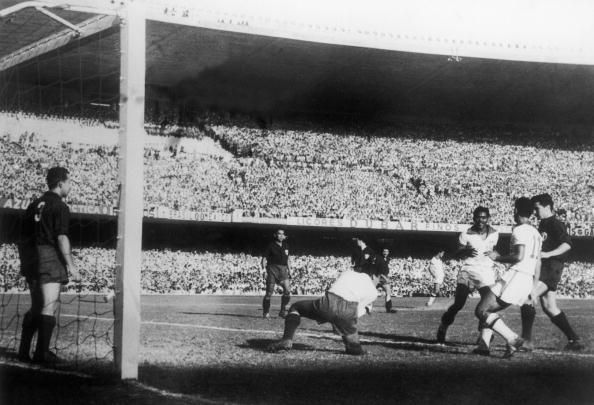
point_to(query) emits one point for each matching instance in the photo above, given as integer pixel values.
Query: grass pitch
(211, 349)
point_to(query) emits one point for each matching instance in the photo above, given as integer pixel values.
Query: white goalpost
(129, 239)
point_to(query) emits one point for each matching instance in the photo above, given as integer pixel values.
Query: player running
(437, 274)
(516, 284)
(478, 269)
(344, 302)
(383, 266)
(45, 263)
(555, 248)
(276, 262)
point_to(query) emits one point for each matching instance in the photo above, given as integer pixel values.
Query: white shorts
(514, 287)
(476, 279)
(439, 277)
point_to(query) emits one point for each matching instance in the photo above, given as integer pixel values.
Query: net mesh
(53, 108)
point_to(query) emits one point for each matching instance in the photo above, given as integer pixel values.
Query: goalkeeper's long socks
(266, 305)
(561, 322)
(44, 336)
(285, 299)
(30, 324)
(528, 315)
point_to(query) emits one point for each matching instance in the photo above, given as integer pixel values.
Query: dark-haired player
(344, 302)
(516, 284)
(555, 249)
(276, 262)
(46, 261)
(383, 267)
(364, 259)
(477, 271)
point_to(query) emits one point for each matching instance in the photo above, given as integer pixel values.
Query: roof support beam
(58, 19)
(85, 29)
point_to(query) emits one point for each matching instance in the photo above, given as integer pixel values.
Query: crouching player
(517, 283)
(342, 305)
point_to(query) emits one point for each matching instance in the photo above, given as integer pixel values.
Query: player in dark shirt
(363, 257)
(555, 249)
(45, 263)
(363, 260)
(383, 267)
(276, 262)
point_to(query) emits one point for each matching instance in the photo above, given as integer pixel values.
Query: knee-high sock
(292, 321)
(486, 335)
(44, 334)
(500, 327)
(266, 304)
(528, 315)
(30, 325)
(285, 299)
(561, 322)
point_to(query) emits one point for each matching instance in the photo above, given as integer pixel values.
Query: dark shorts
(276, 274)
(550, 273)
(339, 312)
(50, 266)
(383, 281)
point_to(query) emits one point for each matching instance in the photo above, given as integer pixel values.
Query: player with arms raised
(516, 284)
(478, 269)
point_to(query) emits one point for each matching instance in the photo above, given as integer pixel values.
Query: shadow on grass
(320, 381)
(262, 346)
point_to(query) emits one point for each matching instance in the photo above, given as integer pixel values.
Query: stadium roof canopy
(505, 61)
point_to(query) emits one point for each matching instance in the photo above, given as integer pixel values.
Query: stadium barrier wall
(584, 230)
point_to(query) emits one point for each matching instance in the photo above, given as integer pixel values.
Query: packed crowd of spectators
(428, 172)
(432, 174)
(215, 272)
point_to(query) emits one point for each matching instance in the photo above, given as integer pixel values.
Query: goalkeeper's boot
(46, 358)
(575, 345)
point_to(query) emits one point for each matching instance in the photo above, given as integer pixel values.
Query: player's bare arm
(65, 249)
(463, 252)
(560, 250)
(535, 288)
(516, 255)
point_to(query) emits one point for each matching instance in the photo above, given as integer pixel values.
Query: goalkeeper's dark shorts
(50, 266)
(276, 274)
(550, 273)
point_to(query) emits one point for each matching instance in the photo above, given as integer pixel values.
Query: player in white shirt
(516, 284)
(477, 271)
(341, 306)
(437, 274)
